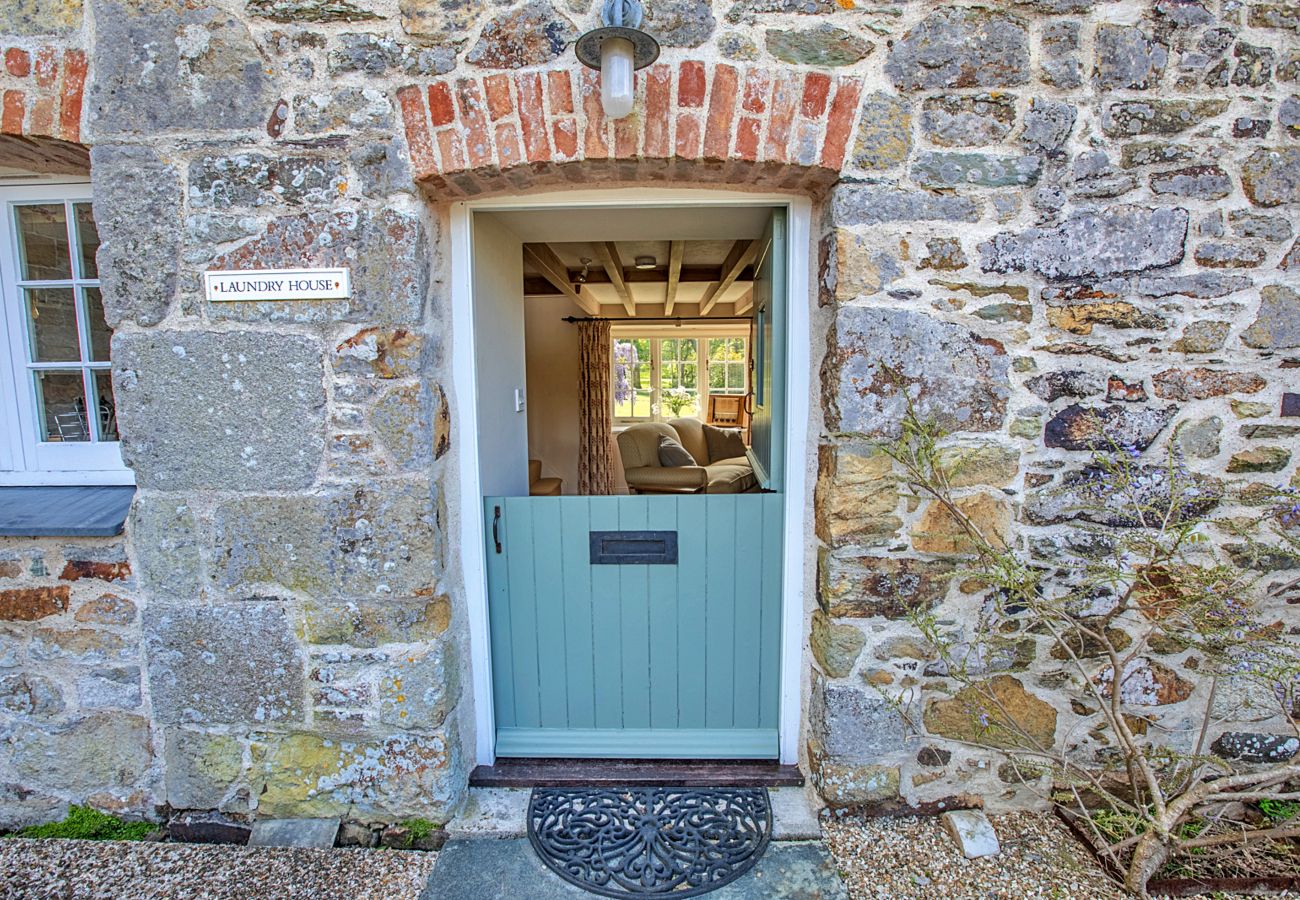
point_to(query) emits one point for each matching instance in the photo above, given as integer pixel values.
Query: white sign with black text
(278, 284)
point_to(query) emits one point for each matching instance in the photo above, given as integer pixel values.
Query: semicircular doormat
(629, 842)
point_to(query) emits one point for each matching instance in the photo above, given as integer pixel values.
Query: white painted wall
(499, 358)
(552, 368)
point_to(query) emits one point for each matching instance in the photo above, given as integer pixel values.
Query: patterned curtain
(595, 415)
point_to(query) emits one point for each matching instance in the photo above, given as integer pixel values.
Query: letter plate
(633, 548)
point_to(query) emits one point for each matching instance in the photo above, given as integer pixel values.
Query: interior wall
(499, 358)
(551, 354)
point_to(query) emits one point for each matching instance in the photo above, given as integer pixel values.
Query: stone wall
(1030, 209)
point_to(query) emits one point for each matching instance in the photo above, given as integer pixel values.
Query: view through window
(657, 379)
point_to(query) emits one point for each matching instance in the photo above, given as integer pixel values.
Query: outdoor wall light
(616, 51)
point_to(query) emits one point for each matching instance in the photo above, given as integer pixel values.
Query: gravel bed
(898, 858)
(120, 870)
(914, 857)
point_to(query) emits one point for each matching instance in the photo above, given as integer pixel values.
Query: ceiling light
(586, 265)
(645, 262)
(616, 51)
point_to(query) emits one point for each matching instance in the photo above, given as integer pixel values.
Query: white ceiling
(707, 223)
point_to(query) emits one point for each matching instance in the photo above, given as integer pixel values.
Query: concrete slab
(794, 814)
(492, 813)
(485, 870)
(313, 833)
(972, 831)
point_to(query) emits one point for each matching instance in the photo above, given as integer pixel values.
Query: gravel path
(117, 870)
(914, 857)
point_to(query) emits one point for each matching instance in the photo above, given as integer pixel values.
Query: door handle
(749, 403)
(496, 527)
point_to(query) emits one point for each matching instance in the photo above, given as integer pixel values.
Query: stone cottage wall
(1029, 209)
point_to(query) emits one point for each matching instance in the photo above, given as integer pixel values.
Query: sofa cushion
(729, 479)
(673, 454)
(690, 433)
(723, 443)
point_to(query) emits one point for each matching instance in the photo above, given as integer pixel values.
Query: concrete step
(485, 870)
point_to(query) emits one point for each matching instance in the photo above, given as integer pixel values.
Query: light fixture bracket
(621, 19)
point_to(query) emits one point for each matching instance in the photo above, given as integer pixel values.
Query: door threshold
(568, 773)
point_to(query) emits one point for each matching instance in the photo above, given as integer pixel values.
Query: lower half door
(609, 647)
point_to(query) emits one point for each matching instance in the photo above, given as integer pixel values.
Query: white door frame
(473, 558)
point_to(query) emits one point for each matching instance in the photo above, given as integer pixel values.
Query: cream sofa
(639, 447)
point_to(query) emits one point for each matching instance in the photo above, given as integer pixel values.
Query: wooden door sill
(567, 773)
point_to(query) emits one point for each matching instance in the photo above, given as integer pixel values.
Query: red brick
(30, 604)
(77, 569)
(658, 108)
(497, 88)
(785, 99)
(417, 131)
(508, 153)
(840, 121)
(18, 62)
(757, 84)
(594, 142)
(473, 118)
(74, 88)
(47, 66)
(816, 88)
(451, 149)
(747, 135)
(564, 134)
(627, 134)
(532, 116)
(559, 93)
(722, 110)
(442, 109)
(688, 137)
(11, 119)
(41, 121)
(691, 85)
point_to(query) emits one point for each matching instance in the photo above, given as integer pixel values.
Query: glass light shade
(617, 89)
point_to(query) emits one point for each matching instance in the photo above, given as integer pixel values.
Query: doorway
(649, 624)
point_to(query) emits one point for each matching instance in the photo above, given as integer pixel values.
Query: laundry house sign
(278, 284)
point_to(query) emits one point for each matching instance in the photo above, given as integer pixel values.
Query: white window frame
(25, 459)
(656, 335)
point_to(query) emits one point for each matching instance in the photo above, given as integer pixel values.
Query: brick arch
(770, 128)
(41, 98)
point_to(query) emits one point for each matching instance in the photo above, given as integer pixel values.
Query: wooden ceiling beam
(544, 258)
(676, 249)
(607, 252)
(745, 303)
(742, 253)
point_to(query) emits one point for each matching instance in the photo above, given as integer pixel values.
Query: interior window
(658, 379)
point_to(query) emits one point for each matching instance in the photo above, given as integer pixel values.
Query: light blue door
(767, 336)
(638, 660)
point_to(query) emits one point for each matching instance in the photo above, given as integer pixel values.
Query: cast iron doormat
(637, 842)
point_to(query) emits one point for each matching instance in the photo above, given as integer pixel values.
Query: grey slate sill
(71, 511)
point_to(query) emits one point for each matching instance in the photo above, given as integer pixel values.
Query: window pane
(100, 333)
(88, 238)
(106, 408)
(43, 242)
(52, 314)
(61, 402)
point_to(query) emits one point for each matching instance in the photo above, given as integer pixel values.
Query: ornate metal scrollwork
(650, 841)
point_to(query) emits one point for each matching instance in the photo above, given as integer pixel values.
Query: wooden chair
(727, 410)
